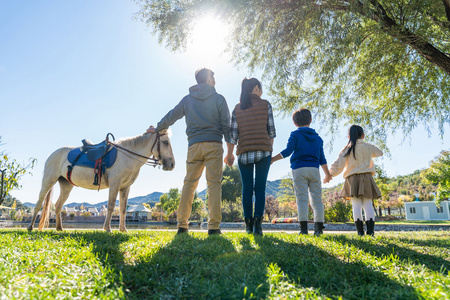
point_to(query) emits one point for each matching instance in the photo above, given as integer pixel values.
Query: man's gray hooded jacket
(206, 112)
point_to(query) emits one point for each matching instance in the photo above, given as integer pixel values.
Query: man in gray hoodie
(207, 121)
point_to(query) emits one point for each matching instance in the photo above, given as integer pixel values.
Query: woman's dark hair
(247, 87)
(355, 132)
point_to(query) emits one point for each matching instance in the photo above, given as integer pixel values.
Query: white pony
(131, 156)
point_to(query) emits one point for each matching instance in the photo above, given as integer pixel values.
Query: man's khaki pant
(201, 155)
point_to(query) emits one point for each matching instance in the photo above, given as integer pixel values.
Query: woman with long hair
(253, 130)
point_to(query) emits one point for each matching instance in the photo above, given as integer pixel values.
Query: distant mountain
(202, 194)
(29, 205)
(150, 198)
(85, 204)
(273, 187)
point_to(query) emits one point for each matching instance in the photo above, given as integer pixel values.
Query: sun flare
(208, 39)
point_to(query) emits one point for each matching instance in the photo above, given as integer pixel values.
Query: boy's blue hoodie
(307, 148)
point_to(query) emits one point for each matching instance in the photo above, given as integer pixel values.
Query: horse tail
(46, 210)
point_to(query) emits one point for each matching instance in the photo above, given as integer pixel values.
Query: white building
(427, 210)
(139, 212)
(93, 211)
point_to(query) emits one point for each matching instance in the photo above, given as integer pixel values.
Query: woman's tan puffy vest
(252, 126)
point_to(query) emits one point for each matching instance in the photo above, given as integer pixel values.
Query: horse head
(163, 151)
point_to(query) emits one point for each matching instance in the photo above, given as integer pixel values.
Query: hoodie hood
(308, 133)
(201, 91)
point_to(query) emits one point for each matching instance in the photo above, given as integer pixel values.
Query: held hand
(229, 160)
(327, 178)
(151, 129)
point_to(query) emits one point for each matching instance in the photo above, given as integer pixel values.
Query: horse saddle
(96, 151)
(98, 157)
(108, 159)
(89, 154)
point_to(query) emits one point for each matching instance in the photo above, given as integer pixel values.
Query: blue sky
(71, 70)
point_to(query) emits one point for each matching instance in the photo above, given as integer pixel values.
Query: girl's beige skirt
(360, 185)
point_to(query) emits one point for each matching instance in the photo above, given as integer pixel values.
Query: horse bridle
(150, 161)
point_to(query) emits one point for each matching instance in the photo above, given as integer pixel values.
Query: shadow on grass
(195, 266)
(435, 242)
(387, 247)
(308, 266)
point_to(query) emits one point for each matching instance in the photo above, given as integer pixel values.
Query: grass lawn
(161, 265)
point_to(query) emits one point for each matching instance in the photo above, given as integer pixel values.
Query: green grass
(160, 265)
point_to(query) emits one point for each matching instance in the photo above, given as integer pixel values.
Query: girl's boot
(360, 227)
(303, 227)
(258, 227)
(370, 227)
(249, 225)
(318, 228)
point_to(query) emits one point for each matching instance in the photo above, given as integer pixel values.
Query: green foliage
(287, 192)
(439, 174)
(11, 172)
(197, 207)
(381, 64)
(232, 211)
(336, 208)
(272, 207)
(147, 264)
(231, 184)
(170, 201)
(9, 202)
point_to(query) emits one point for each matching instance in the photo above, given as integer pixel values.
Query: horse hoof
(107, 229)
(59, 229)
(124, 230)
(30, 228)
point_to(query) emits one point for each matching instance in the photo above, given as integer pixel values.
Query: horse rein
(149, 161)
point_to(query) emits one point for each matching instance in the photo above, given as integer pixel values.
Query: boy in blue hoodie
(306, 147)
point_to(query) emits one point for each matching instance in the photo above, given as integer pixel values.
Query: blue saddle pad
(108, 160)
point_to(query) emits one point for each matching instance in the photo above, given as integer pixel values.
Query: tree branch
(447, 8)
(424, 49)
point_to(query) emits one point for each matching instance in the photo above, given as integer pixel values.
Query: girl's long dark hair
(355, 132)
(247, 88)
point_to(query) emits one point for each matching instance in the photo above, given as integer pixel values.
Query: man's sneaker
(182, 230)
(214, 231)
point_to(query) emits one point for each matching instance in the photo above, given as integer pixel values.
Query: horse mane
(134, 141)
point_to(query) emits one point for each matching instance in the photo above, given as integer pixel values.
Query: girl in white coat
(356, 162)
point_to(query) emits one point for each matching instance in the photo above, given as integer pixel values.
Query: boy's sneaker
(214, 231)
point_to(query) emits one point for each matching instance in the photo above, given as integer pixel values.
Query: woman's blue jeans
(261, 169)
